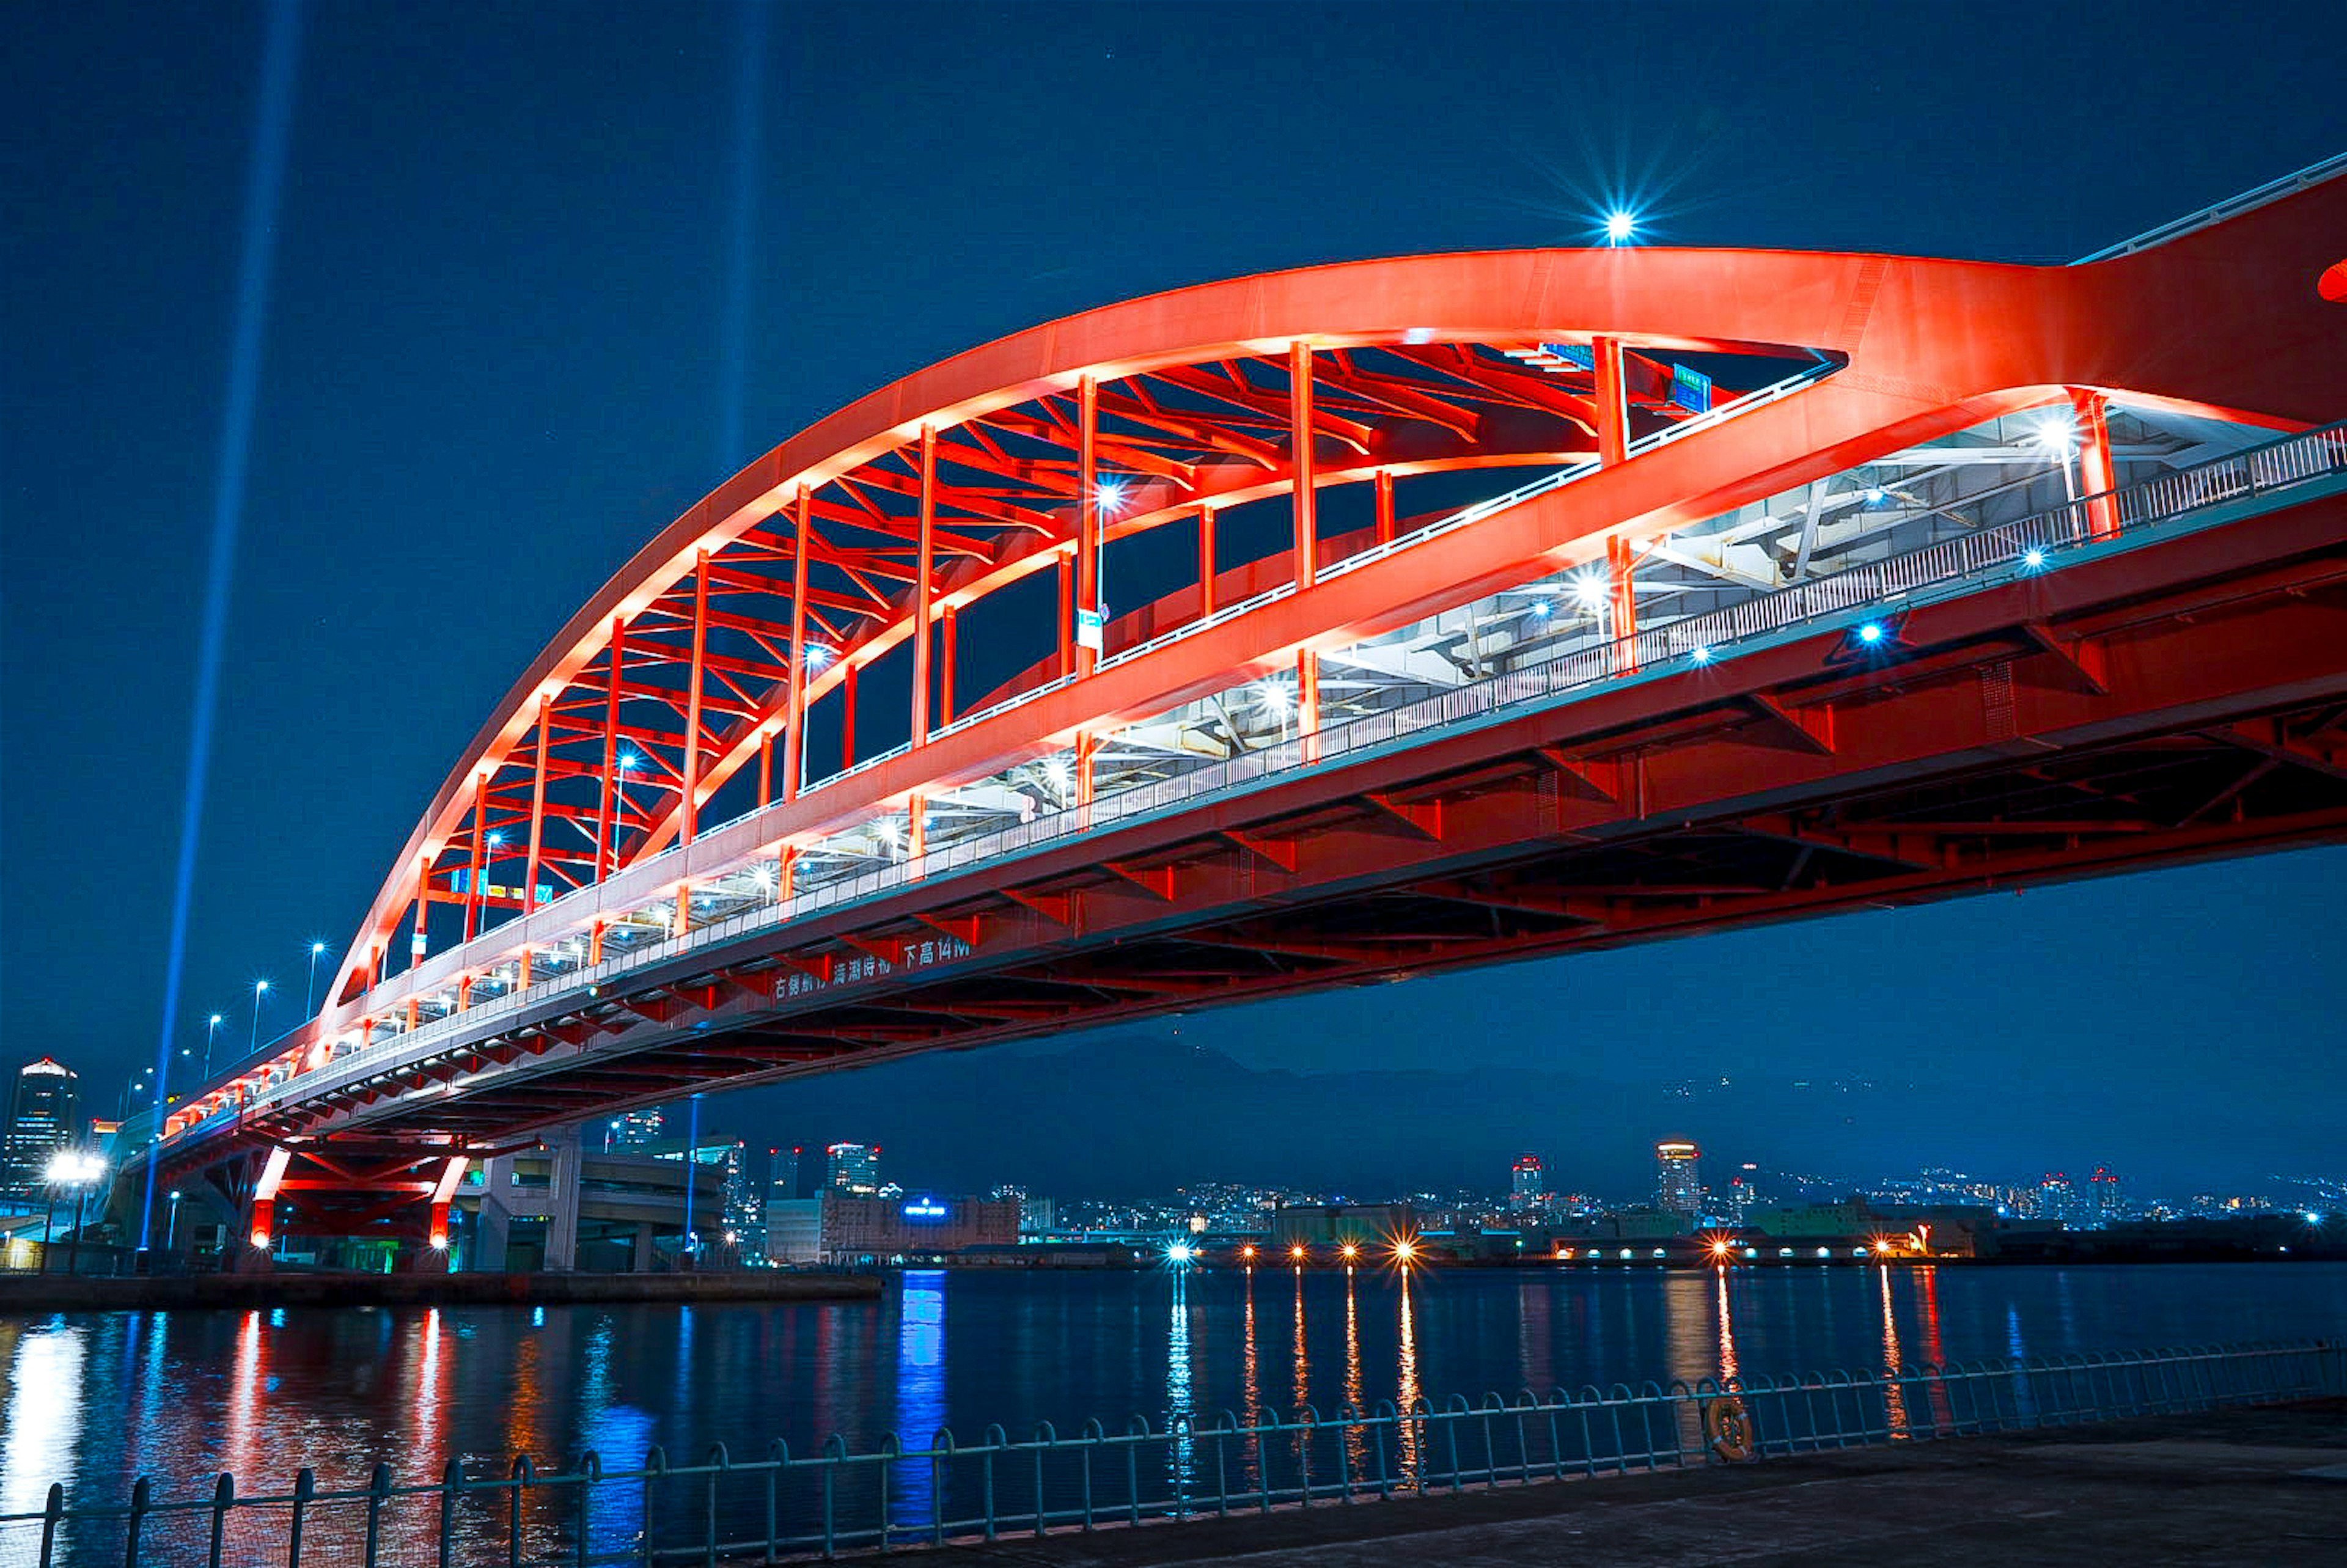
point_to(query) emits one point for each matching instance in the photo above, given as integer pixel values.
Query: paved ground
(2264, 1486)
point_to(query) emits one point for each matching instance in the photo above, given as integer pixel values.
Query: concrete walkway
(2265, 1486)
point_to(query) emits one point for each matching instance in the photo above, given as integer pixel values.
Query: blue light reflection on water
(188, 1393)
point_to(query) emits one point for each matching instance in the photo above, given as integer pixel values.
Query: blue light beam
(265, 188)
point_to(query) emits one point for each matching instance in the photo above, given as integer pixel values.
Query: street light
(260, 989)
(172, 1229)
(310, 994)
(78, 1172)
(210, 1031)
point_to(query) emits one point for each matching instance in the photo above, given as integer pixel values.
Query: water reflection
(920, 1386)
(1356, 1449)
(1408, 1393)
(1726, 1328)
(43, 1428)
(1178, 1399)
(1894, 1392)
(1251, 1387)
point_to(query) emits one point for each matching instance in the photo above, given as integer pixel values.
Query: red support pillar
(1305, 497)
(765, 768)
(1307, 703)
(948, 639)
(689, 808)
(848, 718)
(1613, 404)
(537, 810)
(793, 733)
(916, 830)
(419, 939)
(786, 873)
(688, 805)
(1085, 748)
(1089, 644)
(1206, 561)
(2098, 472)
(1385, 488)
(476, 872)
(606, 837)
(925, 586)
(1067, 610)
(1621, 567)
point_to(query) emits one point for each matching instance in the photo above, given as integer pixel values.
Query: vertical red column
(1621, 602)
(475, 873)
(1385, 506)
(1306, 498)
(606, 838)
(916, 826)
(924, 586)
(1613, 403)
(795, 720)
(689, 808)
(765, 768)
(1307, 703)
(536, 812)
(418, 940)
(1067, 603)
(1089, 631)
(1206, 561)
(848, 718)
(948, 639)
(688, 819)
(2098, 472)
(1085, 748)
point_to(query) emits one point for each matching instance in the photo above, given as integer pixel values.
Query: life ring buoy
(1727, 1427)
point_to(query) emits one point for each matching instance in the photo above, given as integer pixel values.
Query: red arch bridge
(1327, 627)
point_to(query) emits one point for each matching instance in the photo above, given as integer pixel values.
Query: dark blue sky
(497, 358)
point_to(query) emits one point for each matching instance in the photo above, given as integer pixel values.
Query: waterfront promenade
(81, 1293)
(2235, 1486)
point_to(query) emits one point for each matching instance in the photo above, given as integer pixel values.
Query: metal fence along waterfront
(778, 1504)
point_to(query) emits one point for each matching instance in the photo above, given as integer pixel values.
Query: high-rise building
(1528, 1189)
(635, 1129)
(42, 1114)
(1678, 1178)
(854, 1168)
(2105, 1202)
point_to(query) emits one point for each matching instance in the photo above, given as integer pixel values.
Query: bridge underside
(2183, 700)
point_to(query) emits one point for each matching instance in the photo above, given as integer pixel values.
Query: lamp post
(211, 1031)
(260, 989)
(79, 1170)
(171, 1228)
(310, 992)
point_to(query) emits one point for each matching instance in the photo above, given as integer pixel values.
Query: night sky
(503, 346)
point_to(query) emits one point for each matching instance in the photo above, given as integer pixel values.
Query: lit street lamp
(260, 989)
(310, 994)
(172, 1230)
(77, 1171)
(211, 1032)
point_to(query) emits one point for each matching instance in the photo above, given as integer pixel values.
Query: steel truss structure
(1466, 607)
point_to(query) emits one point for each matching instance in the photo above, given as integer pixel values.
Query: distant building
(854, 1169)
(2104, 1201)
(42, 1112)
(1678, 1178)
(1324, 1225)
(635, 1129)
(1038, 1216)
(859, 1230)
(1528, 1189)
(795, 1230)
(794, 1173)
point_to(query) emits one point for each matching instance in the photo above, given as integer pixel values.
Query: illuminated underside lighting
(2033, 557)
(2054, 435)
(1589, 590)
(1701, 655)
(1876, 495)
(1110, 496)
(1871, 634)
(1619, 226)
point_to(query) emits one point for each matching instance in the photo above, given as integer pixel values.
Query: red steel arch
(1032, 453)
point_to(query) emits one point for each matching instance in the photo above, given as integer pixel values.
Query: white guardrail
(1946, 570)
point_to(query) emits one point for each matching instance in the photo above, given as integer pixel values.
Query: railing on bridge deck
(1953, 567)
(724, 1510)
